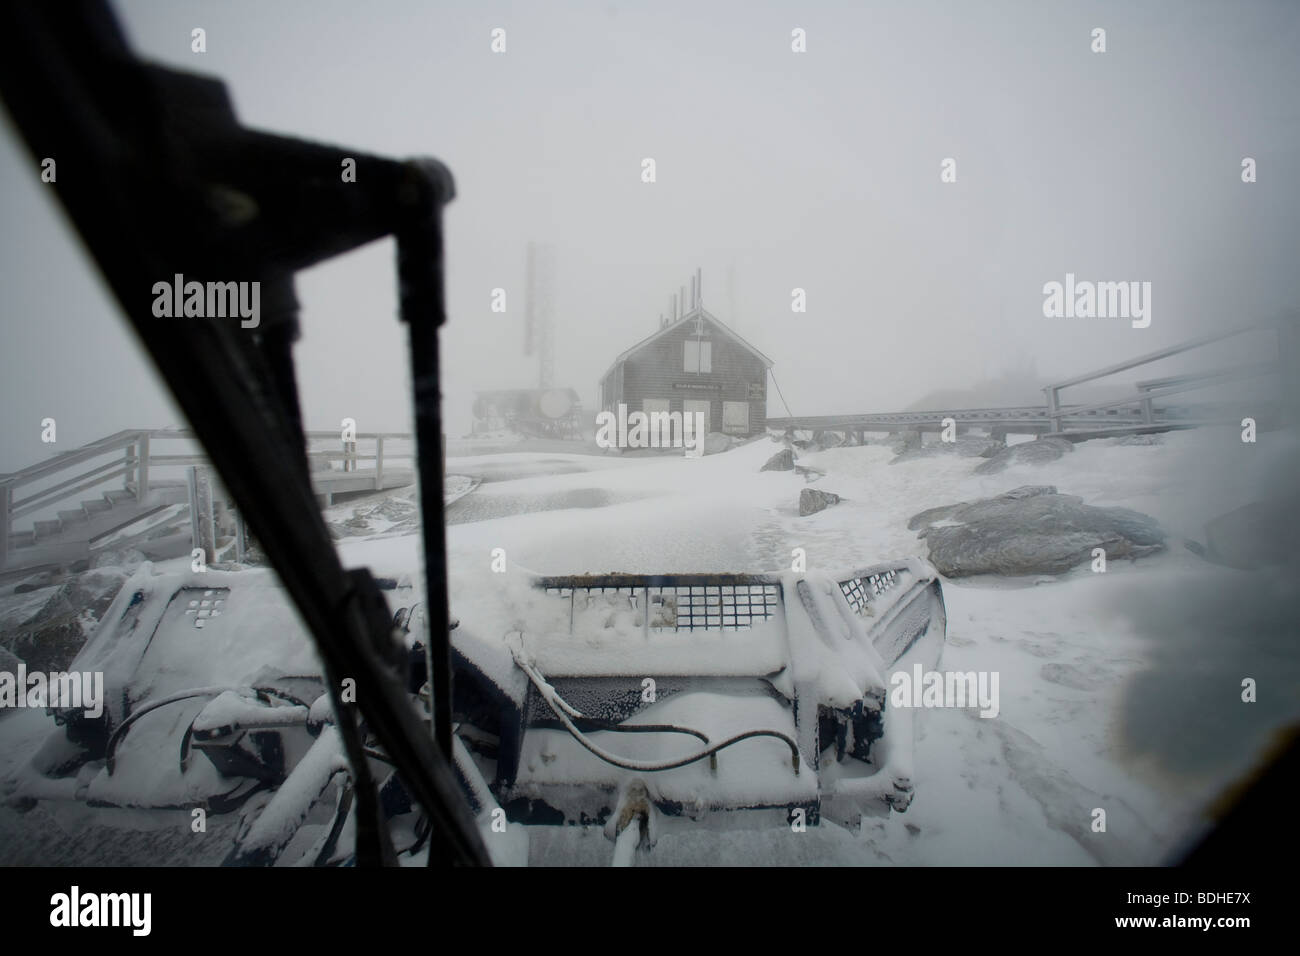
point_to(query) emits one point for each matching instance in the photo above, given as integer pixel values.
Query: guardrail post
(192, 486)
(130, 467)
(1148, 412)
(142, 488)
(1053, 407)
(379, 463)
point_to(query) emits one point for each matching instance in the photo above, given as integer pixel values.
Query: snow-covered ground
(1096, 706)
(1119, 691)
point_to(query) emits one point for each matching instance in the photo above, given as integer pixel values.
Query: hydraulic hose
(562, 711)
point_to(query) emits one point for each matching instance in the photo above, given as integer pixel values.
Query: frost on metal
(769, 692)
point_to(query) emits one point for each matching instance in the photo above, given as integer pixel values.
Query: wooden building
(693, 363)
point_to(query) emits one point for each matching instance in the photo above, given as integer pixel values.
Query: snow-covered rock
(1026, 453)
(781, 461)
(1032, 530)
(52, 636)
(812, 501)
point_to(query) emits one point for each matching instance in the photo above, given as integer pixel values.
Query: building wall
(657, 371)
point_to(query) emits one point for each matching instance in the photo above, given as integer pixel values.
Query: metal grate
(861, 591)
(711, 607)
(671, 608)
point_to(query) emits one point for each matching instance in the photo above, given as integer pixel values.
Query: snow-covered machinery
(629, 696)
(341, 731)
(620, 700)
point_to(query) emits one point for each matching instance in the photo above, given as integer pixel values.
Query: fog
(775, 170)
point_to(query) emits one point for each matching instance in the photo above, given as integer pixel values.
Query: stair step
(118, 494)
(96, 505)
(43, 528)
(23, 539)
(72, 517)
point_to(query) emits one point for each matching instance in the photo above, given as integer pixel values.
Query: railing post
(192, 486)
(379, 463)
(130, 467)
(142, 488)
(1148, 413)
(1053, 407)
(6, 502)
(210, 512)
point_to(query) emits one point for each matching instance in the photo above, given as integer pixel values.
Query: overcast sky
(775, 170)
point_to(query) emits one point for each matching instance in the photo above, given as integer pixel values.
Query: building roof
(688, 317)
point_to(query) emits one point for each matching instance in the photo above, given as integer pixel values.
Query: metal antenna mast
(539, 314)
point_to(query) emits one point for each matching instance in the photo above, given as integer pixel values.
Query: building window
(699, 355)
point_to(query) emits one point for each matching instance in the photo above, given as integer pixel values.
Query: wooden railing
(132, 455)
(130, 462)
(349, 454)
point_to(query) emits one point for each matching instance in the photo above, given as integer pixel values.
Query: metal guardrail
(1147, 392)
(1023, 415)
(1134, 411)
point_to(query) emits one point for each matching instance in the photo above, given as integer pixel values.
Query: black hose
(562, 709)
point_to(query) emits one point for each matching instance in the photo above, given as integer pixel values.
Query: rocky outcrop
(781, 461)
(1036, 452)
(812, 501)
(1031, 530)
(51, 637)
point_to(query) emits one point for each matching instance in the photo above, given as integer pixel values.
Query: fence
(133, 456)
